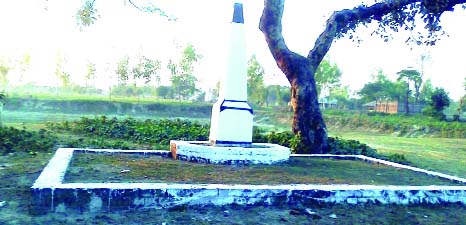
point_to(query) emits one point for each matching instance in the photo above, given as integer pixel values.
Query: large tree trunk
(308, 123)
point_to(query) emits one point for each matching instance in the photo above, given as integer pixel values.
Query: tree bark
(308, 122)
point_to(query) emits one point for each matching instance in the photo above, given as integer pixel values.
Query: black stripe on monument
(232, 142)
(236, 108)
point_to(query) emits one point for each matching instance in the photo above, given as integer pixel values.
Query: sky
(46, 29)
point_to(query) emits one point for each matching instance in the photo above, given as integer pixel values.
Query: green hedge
(162, 131)
(21, 140)
(145, 132)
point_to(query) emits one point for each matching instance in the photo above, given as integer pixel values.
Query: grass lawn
(103, 167)
(446, 155)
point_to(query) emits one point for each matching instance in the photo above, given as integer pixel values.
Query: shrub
(438, 102)
(16, 140)
(144, 132)
(340, 146)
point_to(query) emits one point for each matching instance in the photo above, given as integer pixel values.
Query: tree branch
(339, 21)
(270, 24)
(135, 6)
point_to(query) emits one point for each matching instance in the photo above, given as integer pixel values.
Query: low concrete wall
(52, 195)
(112, 197)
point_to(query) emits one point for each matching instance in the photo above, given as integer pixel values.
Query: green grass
(95, 167)
(446, 155)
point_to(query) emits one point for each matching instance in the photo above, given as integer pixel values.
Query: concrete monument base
(204, 152)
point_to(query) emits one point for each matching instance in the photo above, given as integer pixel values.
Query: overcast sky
(47, 28)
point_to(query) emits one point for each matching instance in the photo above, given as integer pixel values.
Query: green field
(446, 155)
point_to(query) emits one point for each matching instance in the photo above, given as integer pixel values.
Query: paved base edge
(106, 199)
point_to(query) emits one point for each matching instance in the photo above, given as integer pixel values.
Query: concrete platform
(202, 151)
(51, 194)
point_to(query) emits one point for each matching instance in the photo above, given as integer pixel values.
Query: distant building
(392, 107)
(325, 103)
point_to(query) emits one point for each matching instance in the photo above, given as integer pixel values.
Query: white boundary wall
(51, 194)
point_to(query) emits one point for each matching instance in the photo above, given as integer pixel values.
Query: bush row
(103, 132)
(144, 132)
(162, 131)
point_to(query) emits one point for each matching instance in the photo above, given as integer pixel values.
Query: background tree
(461, 108)
(23, 65)
(424, 58)
(182, 73)
(380, 89)
(90, 75)
(285, 95)
(122, 70)
(4, 70)
(438, 102)
(164, 92)
(462, 103)
(61, 73)
(215, 92)
(273, 96)
(342, 95)
(2, 97)
(410, 76)
(147, 69)
(327, 77)
(256, 87)
(426, 91)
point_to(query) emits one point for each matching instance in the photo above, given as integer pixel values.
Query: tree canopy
(182, 73)
(327, 77)
(438, 102)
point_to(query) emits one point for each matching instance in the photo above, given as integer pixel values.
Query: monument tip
(238, 13)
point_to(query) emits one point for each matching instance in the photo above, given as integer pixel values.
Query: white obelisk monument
(232, 117)
(231, 122)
